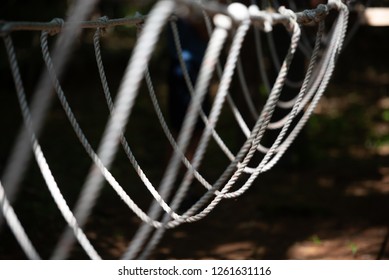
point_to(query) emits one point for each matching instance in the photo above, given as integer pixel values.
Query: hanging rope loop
(267, 24)
(292, 17)
(57, 25)
(238, 12)
(104, 24)
(335, 4)
(230, 22)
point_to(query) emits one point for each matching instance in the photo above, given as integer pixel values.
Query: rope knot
(103, 23)
(222, 21)
(56, 26)
(267, 19)
(290, 15)
(315, 15)
(3, 28)
(238, 11)
(139, 25)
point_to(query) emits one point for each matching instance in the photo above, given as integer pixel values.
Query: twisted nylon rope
(236, 113)
(57, 26)
(280, 150)
(92, 189)
(213, 118)
(119, 116)
(16, 227)
(268, 110)
(81, 136)
(322, 71)
(189, 85)
(305, 44)
(123, 140)
(290, 103)
(245, 154)
(209, 62)
(276, 91)
(240, 120)
(329, 74)
(167, 131)
(256, 136)
(21, 152)
(75, 125)
(254, 11)
(85, 143)
(312, 63)
(40, 159)
(333, 50)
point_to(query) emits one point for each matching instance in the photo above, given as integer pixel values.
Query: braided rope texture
(227, 33)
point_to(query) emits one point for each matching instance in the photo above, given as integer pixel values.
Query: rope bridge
(228, 26)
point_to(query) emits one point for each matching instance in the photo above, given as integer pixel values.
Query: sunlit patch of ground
(344, 244)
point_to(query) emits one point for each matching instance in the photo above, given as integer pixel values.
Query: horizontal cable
(56, 25)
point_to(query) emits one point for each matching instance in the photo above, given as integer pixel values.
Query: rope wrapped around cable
(232, 21)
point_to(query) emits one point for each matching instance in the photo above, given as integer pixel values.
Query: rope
(16, 227)
(268, 111)
(214, 114)
(312, 87)
(329, 64)
(90, 193)
(39, 157)
(58, 26)
(21, 152)
(209, 62)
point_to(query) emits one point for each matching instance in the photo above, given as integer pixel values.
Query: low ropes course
(228, 26)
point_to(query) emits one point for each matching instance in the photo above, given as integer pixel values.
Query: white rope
(189, 85)
(16, 227)
(85, 143)
(202, 214)
(213, 118)
(315, 81)
(266, 115)
(236, 112)
(81, 136)
(209, 62)
(40, 159)
(21, 152)
(123, 104)
(326, 69)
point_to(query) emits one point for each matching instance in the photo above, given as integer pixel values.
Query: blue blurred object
(193, 49)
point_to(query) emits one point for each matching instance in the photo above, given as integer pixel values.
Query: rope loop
(57, 25)
(4, 28)
(222, 21)
(139, 25)
(238, 11)
(104, 24)
(267, 24)
(337, 4)
(290, 14)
